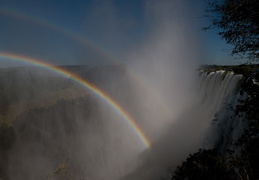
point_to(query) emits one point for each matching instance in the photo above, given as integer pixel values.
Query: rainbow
(87, 43)
(65, 31)
(85, 84)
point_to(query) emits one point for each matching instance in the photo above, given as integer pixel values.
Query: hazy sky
(90, 31)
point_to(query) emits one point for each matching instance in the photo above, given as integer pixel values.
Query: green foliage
(63, 172)
(213, 164)
(205, 164)
(238, 21)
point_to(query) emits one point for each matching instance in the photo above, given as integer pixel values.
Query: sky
(66, 32)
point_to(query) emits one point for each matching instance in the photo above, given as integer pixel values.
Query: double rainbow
(88, 44)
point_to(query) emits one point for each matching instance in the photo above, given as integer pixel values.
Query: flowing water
(221, 92)
(99, 144)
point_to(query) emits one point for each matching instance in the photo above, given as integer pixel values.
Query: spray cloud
(157, 90)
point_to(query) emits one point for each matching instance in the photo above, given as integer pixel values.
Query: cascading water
(220, 94)
(47, 136)
(211, 122)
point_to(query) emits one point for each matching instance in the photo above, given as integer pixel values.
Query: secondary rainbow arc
(65, 31)
(85, 84)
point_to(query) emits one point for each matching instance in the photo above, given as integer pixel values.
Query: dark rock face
(7, 139)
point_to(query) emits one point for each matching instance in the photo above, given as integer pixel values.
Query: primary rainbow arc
(85, 84)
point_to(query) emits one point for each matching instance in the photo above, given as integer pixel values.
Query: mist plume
(157, 87)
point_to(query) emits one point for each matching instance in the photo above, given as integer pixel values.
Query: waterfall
(220, 92)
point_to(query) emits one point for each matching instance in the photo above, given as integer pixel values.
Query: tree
(205, 164)
(238, 22)
(63, 172)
